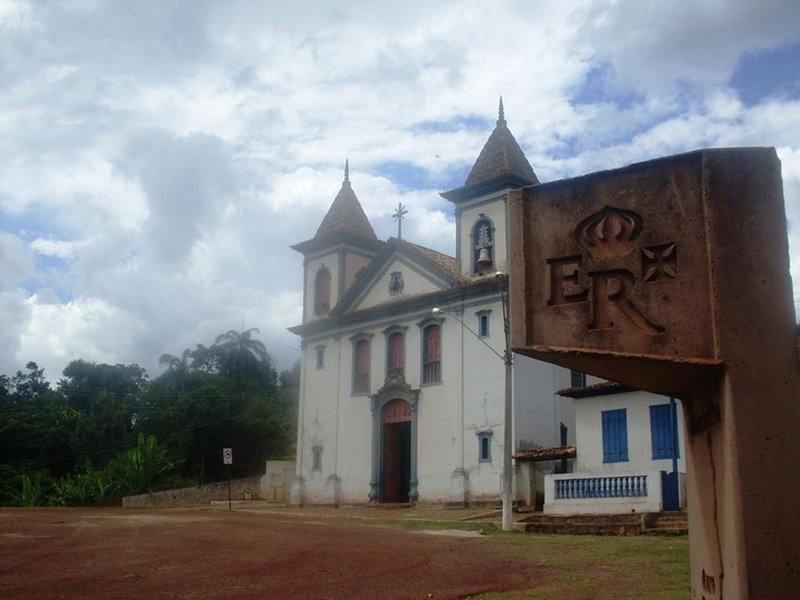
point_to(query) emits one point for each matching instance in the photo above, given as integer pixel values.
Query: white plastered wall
(493, 207)
(589, 432)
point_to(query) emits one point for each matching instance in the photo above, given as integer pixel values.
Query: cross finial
(398, 216)
(347, 170)
(501, 115)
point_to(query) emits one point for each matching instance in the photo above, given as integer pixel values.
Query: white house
(629, 453)
(400, 403)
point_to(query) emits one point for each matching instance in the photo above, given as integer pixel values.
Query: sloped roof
(439, 264)
(345, 220)
(501, 163)
(597, 389)
(444, 263)
(543, 454)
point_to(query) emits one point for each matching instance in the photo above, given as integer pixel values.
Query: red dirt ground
(201, 553)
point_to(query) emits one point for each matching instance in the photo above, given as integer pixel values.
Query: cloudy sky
(157, 158)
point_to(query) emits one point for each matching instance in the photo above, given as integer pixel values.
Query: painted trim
(391, 310)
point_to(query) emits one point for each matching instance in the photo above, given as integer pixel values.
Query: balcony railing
(619, 486)
(597, 493)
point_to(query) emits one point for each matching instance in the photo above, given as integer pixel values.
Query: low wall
(277, 480)
(591, 493)
(247, 488)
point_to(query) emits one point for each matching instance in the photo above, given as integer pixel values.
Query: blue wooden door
(669, 489)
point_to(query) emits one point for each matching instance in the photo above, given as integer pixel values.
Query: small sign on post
(227, 459)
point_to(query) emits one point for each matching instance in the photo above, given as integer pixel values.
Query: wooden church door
(396, 472)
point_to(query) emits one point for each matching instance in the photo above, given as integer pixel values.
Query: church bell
(484, 257)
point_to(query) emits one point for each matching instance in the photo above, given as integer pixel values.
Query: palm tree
(173, 363)
(177, 368)
(242, 355)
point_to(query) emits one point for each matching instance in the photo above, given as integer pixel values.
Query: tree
(107, 400)
(66, 439)
(173, 363)
(245, 358)
(177, 369)
(35, 424)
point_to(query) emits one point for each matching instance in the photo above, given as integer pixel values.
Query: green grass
(599, 567)
(586, 566)
(574, 567)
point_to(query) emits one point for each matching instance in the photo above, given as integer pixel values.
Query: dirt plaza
(213, 553)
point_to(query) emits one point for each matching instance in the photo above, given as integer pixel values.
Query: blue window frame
(663, 431)
(615, 435)
(483, 325)
(485, 446)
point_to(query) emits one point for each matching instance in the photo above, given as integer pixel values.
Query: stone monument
(673, 276)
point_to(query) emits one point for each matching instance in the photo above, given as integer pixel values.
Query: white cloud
(659, 46)
(57, 248)
(159, 158)
(16, 263)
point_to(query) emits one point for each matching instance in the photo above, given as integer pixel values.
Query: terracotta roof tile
(500, 160)
(345, 216)
(540, 454)
(501, 156)
(443, 261)
(597, 389)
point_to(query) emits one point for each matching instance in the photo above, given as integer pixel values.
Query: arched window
(432, 354)
(396, 353)
(322, 291)
(361, 359)
(482, 246)
(483, 322)
(485, 446)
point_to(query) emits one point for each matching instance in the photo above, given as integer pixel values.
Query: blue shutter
(663, 430)
(615, 435)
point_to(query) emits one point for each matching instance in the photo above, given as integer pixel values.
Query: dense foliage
(105, 431)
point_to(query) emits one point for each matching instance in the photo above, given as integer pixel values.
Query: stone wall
(241, 489)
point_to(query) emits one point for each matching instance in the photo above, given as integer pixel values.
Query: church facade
(400, 402)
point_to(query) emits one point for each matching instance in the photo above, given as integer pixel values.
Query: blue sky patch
(595, 89)
(408, 176)
(477, 123)
(27, 225)
(773, 73)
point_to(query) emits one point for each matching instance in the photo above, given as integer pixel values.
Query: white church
(403, 403)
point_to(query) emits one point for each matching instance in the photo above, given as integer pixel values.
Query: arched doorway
(396, 451)
(394, 441)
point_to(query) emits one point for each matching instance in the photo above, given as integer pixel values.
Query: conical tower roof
(344, 221)
(501, 163)
(345, 216)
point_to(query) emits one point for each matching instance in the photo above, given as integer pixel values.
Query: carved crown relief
(603, 278)
(609, 233)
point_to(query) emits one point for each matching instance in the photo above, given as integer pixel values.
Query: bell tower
(480, 204)
(344, 244)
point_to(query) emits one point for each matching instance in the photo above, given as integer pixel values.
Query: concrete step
(668, 523)
(619, 524)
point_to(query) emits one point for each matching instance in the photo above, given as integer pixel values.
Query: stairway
(667, 523)
(621, 524)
